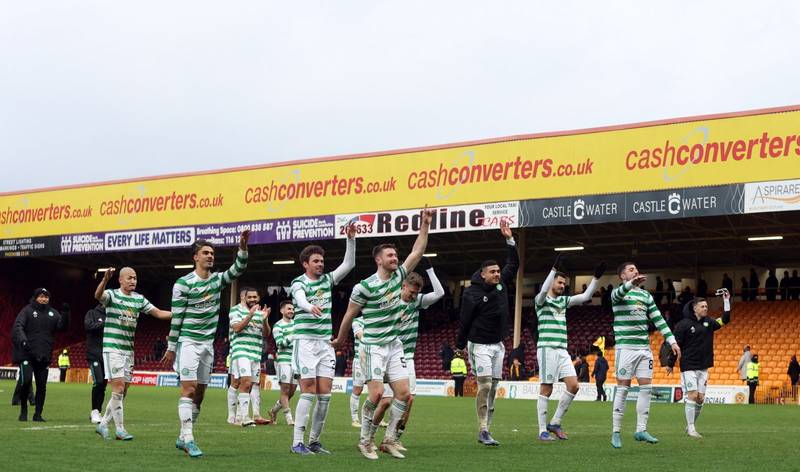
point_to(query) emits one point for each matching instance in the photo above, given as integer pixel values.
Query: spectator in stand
(515, 371)
(745, 290)
(771, 286)
(727, 282)
(269, 364)
(459, 370)
(702, 288)
(685, 297)
(659, 293)
(784, 285)
(793, 372)
(670, 292)
(599, 373)
(741, 368)
(794, 286)
(583, 369)
(447, 356)
(754, 284)
(752, 377)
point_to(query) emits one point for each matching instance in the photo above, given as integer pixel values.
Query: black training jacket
(34, 331)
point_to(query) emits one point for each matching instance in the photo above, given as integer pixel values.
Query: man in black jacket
(599, 373)
(695, 336)
(32, 337)
(484, 325)
(93, 323)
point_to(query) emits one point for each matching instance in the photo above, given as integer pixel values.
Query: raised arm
(349, 261)
(99, 292)
(548, 282)
(726, 313)
(421, 243)
(509, 272)
(438, 291)
(240, 263)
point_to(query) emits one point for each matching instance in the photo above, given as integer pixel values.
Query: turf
(441, 436)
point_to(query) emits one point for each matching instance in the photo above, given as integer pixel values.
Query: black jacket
(600, 368)
(484, 308)
(93, 323)
(34, 331)
(696, 339)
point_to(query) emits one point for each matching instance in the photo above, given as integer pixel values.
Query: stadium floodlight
(765, 238)
(183, 266)
(283, 262)
(430, 254)
(568, 248)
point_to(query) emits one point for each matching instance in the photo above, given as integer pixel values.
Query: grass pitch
(441, 435)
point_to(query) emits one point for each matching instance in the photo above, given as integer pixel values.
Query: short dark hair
(246, 289)
(308, 251)
(414, 279)
(621, 267)
(284, 303)
(380, 247)
(488, 262)
(560, 274)
(200, 244)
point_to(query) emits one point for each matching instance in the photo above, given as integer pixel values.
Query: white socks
(232, 399)
(185, 415)
(114, 410)
(541, 413)
(255, 400)
(396, 412)
(643, 407)
(303, 409)
(319, 416)
(690, 408)
(563, 406)
(621, 394)
(367, 410)
(243, 411)
(354, 406)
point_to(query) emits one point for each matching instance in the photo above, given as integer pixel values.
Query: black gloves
(65, 307)
(600, 269)
(426, 263)
(557, 265)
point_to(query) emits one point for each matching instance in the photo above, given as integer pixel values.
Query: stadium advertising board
(145, 378)
(445, 220)
(673, 203)
(782, 195)
(700, 151)
(33, 247)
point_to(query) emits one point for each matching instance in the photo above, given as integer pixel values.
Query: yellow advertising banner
(702, 151)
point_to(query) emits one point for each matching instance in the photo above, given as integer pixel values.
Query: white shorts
(193, 361)
(634, 363)
(358, 374)
(694, 380)
(285, 373)
(313, 358)
(554, 365)
(486, 359)
(412, 381)
(116, 365)
(384, 362)
(243, 367)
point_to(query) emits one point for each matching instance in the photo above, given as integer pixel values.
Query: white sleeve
(299, 297)
(438, 291)
(585, 296)
(539, 300)
(347, 264)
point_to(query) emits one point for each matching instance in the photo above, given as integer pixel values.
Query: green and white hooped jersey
(408, 326)
(318, 293)
(249, 342)
(358, 327)
(552, 322)
(122, 317)
(632, 307)
(381, 306)
(283, 332)
(196, 303)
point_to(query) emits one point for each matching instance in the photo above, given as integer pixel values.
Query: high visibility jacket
(63, 360)
(752, 370)
(458, 366)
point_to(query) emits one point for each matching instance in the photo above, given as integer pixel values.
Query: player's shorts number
(650, 364)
